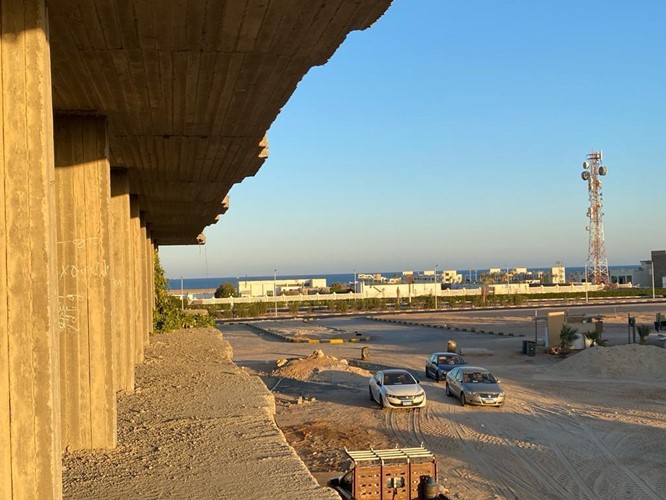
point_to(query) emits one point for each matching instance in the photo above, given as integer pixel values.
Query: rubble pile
(319, 367)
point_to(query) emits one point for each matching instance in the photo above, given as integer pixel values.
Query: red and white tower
(597, 264)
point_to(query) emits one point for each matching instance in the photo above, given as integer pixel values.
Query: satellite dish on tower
(585, 175)
(603, 170)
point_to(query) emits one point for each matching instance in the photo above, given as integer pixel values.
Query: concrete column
(123, 326)
(137, 281)
(29, 414)
(147, 287)
(151, 280)
(86, 342)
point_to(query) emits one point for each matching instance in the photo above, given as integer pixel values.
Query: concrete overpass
(124, 125)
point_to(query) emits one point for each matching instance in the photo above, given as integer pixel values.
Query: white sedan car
(396, 389)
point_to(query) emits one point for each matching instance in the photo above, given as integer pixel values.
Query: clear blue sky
(453, 133)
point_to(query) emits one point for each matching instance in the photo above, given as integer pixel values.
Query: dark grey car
(474, 385)
(439, 363)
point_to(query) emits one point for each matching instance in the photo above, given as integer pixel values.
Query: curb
(305, 341)
(447, 327)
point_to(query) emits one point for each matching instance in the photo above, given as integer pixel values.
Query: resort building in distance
(649, 273)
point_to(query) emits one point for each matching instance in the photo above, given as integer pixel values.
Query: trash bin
(530, 347)
(452, 346)
(599, 327)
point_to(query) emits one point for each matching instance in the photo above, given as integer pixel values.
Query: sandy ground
(588, 426)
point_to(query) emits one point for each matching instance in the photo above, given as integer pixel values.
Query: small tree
(567, 336)
(168, 315)
(225, 290)
(338, 287)
(595, 338)
(643, 332)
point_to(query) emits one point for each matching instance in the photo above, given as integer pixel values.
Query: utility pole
(275, 290)
(436, 284)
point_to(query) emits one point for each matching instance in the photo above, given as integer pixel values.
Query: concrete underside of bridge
(124, 125)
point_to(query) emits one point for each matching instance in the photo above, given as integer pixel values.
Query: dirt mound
(322, 368)
(632, 361)
(321, 443)
(297, 329)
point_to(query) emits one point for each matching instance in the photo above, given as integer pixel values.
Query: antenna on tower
(597, 263)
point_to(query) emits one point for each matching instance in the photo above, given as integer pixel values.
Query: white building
(269, 288)
(558, 275)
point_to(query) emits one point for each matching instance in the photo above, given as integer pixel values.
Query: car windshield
(450, 360)
(480, 378)
(398, 379)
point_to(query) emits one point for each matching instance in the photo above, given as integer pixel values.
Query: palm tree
(567, 336)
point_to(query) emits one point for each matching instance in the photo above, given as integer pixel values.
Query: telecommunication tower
(596, 266)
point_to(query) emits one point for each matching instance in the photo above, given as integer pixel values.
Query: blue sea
(213, 283)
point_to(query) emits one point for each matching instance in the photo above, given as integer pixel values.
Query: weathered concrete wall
(84, 258)
(184, 144)
(29, 415)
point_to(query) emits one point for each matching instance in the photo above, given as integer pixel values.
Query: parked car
(396, 388)
(474, 385)
(439, 363)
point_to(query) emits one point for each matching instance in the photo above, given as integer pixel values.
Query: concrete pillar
(124, 301)
(137, 281)
(146, 298)
(151, 280)
(29, 414)
(86, 342)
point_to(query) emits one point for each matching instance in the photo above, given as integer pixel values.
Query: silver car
(474, 385)
(396, 389)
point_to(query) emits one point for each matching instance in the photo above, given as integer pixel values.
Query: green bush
(567, 335)
(168, 314)
(596, 339)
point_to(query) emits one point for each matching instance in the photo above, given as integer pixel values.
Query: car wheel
(372, 398)
(462, 399)
(382, 403)
(438, 378)
(426, 373)
(448, 390)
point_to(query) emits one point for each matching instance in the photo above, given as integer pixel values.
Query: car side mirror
(334, 482)
(418, 381)
(497, 380)
(379, 383)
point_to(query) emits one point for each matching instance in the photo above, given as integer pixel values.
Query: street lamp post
(586, 283)
(275, 290)
(355, 290)
(652, 274)
(436, 266)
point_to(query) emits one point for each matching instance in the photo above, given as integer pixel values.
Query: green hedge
(168, 314)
